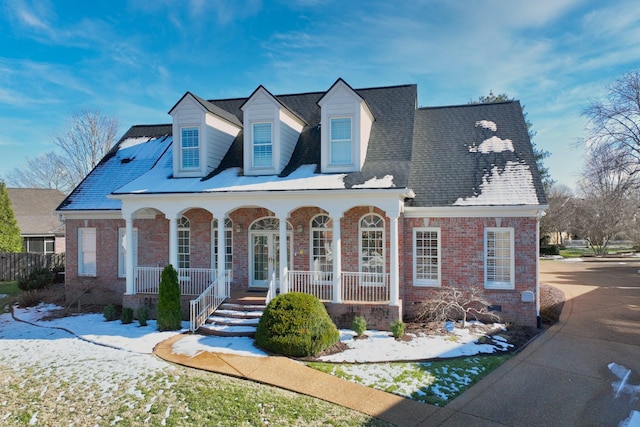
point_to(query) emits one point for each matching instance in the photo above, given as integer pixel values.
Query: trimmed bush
(359, 325)
(143, 316)
(38, 278)
(397, 329)
(169, 312)
(296, 324)
(126, 317)
(110, 313)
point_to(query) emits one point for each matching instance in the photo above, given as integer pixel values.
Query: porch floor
(245, 296)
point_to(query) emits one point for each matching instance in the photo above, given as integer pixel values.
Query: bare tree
(558, 218)
(450, 303)
(43, 171)
(608, 204)
(614, 124)
(88, 138)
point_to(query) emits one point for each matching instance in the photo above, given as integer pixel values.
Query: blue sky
(134, 59)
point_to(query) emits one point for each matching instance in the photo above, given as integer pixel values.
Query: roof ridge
(474, 104)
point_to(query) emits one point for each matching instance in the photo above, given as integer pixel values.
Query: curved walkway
(561, 378)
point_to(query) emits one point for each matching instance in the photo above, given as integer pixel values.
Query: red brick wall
(462, 254)
(462, 263)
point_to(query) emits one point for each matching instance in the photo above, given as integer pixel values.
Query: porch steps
(234, 318)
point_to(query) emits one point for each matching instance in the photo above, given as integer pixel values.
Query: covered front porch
(343, 250)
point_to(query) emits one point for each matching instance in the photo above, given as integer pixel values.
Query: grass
(434, 382)
(580, 252)
(177, 397)
(8, 295)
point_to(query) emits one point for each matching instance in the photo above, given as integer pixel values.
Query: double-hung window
(228, 259)
(499, 262)
(86, 251)
(426, 255)
(372, 244)
(190, 148)
(340, 141)
(262, 145)
(184, 243)
(322, 247)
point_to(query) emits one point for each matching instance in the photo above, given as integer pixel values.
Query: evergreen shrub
(110, 313)
(38, 278)
(126, 317)
(143, 316)
(169, 312)
(296, 324)
(359, 325)
(397, 329)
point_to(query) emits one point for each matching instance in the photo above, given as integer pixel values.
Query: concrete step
(233, 321)
(227, 331)
(241, 307)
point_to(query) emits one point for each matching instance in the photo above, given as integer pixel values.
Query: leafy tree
(88, 138)
(614, 124)
(539, 154)
(10, 240)
(169, 311)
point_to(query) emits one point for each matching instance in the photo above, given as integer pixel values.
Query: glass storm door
(265, 257)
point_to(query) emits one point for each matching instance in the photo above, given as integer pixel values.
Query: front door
(265, 257)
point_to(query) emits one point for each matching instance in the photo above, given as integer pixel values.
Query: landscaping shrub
(143, 316)
(550, 250)
(38, 278)
(359, 325)
(296, 324)
(169, 312)
(110, 313)
(397, 329)
(29, 299)
(126, 317)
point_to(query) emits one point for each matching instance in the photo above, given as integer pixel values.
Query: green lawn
(8, 293)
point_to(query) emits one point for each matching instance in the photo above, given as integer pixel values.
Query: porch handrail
(271, 293)
(355, 286)
(208, 301)
(193, 281)
(318, 284)
(365, 287)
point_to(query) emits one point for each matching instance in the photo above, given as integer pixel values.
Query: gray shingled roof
(34, 210)
(445, 167)
(476, 154)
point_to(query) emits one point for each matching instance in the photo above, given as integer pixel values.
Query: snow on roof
(159, 180)
(512, 186)
(487, 124)
(493, 145)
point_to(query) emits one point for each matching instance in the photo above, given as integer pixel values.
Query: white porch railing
(355, 287)
(193, 281)
(208, 301)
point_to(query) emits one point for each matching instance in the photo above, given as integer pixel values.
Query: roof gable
(34, 210)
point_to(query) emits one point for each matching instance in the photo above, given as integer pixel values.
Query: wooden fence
(16, 265)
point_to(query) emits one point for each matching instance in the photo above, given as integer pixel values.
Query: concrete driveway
(562, 378)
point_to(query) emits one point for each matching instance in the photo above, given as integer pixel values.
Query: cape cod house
(354, 195)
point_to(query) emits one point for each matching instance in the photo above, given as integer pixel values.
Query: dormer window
(341, 141)
(190, 148)
(262, 144)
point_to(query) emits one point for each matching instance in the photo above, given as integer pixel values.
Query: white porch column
(173, 241)
(394, 270)
(336, 244)
(284, 283)
(128, 248)
(222, 255)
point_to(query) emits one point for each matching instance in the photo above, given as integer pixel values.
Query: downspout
(538, 317)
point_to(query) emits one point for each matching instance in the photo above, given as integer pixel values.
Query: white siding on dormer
(188, 114)
(215, 136)
(219, 137)
(262, 107)
(342, 101)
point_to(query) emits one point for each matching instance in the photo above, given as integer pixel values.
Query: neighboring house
(356, 196)
(41, 229)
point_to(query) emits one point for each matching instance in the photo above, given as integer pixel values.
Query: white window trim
(252, 142)
(427, 282)
(331, 163)
(383, 246)
(318, 274)
(228, 257)
(122, 262)
(198, 148)
(84, 268)
(183, 229)
(494, 284)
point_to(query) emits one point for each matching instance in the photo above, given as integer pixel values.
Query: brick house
(354, 195)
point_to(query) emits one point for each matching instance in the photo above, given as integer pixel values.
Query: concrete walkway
(560, 379)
